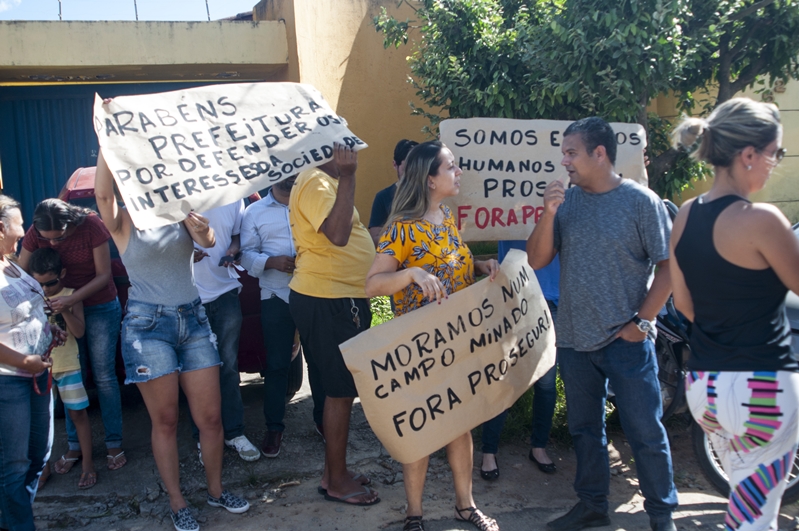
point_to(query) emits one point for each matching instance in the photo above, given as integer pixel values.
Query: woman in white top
(25, 398)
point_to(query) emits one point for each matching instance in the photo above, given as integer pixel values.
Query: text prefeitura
(208, 155)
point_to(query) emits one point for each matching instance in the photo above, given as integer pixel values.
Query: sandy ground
(283, 494)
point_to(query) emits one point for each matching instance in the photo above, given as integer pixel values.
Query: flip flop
(343, 499)
(115, 462)
(87, 480)
(321, 490)
(65, 464)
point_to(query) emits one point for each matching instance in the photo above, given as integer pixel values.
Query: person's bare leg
(489, 462)
(541, 456)
(161, 398)
(414, 475)
(83, 428)
(201, 388)
(337, 428)
(461, 459)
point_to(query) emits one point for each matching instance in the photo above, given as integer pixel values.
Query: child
(46, 268)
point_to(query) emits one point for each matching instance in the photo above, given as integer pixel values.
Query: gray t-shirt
(159, 264)
(609, 244)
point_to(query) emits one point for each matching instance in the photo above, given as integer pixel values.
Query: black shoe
(546, 468)
(580, 517)
(665, 525)
(490, 475)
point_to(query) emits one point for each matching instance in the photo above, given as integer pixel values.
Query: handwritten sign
(507, 164)
(204, 147)
(429, 376)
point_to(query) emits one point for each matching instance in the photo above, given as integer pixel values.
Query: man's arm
(337, 227)
(541, 243)
(658, 295)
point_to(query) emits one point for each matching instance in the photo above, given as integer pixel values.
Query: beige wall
(140, 51)
(340, 53)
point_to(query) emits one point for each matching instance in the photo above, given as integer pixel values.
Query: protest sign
(433, 374)
(506, 166)
(204, 147)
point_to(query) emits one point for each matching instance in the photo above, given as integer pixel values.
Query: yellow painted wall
(340, 53)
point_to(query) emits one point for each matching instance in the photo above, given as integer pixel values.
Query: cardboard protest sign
(507, 164)
(431, 375)
(204, 147)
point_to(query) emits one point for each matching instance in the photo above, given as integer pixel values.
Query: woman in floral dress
(421, 259)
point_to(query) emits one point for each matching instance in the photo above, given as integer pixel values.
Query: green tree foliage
(566, 59)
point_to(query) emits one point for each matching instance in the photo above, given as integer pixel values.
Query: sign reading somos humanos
(507, 164)
(435, 373)
(204, 147)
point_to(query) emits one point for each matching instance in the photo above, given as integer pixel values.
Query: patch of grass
(381, 310)
(483, 248)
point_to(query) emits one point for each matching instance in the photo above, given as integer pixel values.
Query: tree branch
(749, 10)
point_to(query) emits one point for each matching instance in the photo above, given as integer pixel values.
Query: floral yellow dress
(438, 249)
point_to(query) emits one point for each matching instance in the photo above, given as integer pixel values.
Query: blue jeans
(224, 315)
(158, 340)
(26, 438)
(631, 369)
(545, 395)
(100, 343)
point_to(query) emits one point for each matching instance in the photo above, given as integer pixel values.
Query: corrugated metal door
(46, 133)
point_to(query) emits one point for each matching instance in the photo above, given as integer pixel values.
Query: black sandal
(476, 517)
(546, 468)
(413, 523)
(490, 475)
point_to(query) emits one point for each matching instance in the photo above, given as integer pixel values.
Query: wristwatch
(643, 325)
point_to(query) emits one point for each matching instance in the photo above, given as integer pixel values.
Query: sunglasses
(50, 283)
(777, 155)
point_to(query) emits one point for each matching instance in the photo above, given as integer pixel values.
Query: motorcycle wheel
(711, 467)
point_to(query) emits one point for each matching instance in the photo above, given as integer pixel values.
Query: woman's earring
(749, 167)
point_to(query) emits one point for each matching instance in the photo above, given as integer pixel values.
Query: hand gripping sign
(506, 166)
(431, 375)
(199, 148)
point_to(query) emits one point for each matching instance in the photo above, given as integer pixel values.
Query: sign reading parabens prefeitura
(204, 147)
(507, 164)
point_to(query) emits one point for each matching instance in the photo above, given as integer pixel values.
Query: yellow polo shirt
(322, 269)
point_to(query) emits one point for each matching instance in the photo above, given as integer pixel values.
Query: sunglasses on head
(49, 283)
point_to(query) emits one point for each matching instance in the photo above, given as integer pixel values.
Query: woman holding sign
(167, 343)
(421, 259)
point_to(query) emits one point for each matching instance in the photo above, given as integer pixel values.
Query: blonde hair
(412, 199)
(731, 127)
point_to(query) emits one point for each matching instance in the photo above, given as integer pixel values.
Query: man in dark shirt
(381, 206)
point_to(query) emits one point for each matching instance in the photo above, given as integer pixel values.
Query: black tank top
(740, 322)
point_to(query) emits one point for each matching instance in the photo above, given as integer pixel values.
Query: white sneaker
(244, 447)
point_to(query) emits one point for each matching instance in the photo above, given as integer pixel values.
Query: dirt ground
(283, 494)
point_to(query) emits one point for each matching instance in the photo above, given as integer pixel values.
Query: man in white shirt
(219, 292)
(268, 253)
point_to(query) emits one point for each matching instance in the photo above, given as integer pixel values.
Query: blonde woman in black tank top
(733, 263)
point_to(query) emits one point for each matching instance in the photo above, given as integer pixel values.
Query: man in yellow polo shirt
(328, 302)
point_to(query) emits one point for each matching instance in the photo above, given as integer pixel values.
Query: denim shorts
(158, 340)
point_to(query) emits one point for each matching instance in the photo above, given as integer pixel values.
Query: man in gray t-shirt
(612, 235)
